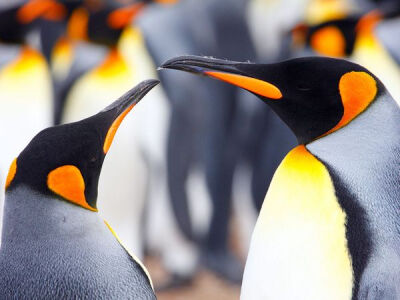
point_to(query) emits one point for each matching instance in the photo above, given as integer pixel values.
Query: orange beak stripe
(67, 181)
(11, 173)
(254, 85)
(122, 17)
(113, 129)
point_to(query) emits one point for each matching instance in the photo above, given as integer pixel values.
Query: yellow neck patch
(11, 173)
(62, 57)
(299, 244)
(28, 61)
(67, 182)
(113, 66)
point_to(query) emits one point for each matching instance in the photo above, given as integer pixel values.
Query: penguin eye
(93, 160)
(303, 87)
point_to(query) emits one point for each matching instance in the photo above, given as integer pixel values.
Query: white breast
(299, 248)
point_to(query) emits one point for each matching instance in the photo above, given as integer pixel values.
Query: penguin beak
(121, 107)
(239, 74)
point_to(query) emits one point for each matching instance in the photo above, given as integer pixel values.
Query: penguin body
(63, 251)
(328, 227)
(367, 190)
(305, 237)
(54, 243)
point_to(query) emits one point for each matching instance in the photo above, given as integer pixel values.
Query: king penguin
(54, 243)
(329, 224)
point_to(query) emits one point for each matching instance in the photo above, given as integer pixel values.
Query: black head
(337, 37)
(66, 160)
(102, 24)
(17, 21)
(313, 96)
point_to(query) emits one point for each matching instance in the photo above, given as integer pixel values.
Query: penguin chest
(299, 247)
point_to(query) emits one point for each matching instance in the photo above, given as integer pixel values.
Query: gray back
(52, 249)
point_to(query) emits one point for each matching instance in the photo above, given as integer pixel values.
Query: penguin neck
(375, 129)
(29, 215)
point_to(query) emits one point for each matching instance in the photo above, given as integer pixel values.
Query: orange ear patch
(368, 22)
(113, 129)
(57, 13)
(329, 41)
(77, 25)
(67, 182)
(122, 17)
(37, 8)
(11, 173)
(357, 90)
(254, 85)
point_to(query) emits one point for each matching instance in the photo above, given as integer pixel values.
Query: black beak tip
(200, 64)
(143, 88)
(133, 96)
(188, 63)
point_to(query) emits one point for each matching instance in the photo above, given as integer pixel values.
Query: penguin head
(337, 37)
(102, 24)
(66, 160)
(314, 96)
(334, 38)
(16, 21)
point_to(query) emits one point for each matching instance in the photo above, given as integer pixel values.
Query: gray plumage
(363, 159)
(52, 249)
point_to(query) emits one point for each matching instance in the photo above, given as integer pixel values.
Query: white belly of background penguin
(329, 225)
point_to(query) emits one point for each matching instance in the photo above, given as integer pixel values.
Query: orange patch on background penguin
(329, 41)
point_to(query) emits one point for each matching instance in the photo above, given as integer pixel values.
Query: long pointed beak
(232, 72)
(133, 96)
(121, 107)
(200, 65)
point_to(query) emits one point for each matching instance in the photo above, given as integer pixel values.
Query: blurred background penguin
(25, 81)
(199, 151)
